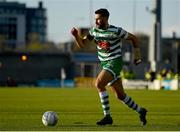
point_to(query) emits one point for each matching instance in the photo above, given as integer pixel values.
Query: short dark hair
(103, 12)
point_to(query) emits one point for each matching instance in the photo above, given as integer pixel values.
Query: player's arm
(137, 53)
(79, 40)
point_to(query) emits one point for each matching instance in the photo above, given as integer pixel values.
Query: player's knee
(99, 84)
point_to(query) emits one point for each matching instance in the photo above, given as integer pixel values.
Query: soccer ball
(49, 118)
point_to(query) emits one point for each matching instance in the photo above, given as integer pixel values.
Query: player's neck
(106, 26)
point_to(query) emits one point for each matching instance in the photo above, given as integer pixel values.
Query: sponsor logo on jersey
(104, 45)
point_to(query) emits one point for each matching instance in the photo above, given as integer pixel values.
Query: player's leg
(120, 94)
(102, 80)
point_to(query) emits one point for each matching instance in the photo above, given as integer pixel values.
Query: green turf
(79, 109)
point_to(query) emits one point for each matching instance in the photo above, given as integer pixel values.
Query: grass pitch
(78, 109)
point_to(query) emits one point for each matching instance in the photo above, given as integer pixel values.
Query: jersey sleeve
(123, 34)
(90, 35)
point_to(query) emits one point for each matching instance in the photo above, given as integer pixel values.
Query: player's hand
(137, 61)
(74, 31)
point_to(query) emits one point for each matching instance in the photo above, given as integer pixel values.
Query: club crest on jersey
(104, 45)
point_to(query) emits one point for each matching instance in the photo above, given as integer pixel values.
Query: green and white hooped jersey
(109, 45)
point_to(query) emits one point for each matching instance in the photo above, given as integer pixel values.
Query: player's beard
(101, 26)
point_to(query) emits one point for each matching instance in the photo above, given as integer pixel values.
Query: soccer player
(109, 48)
